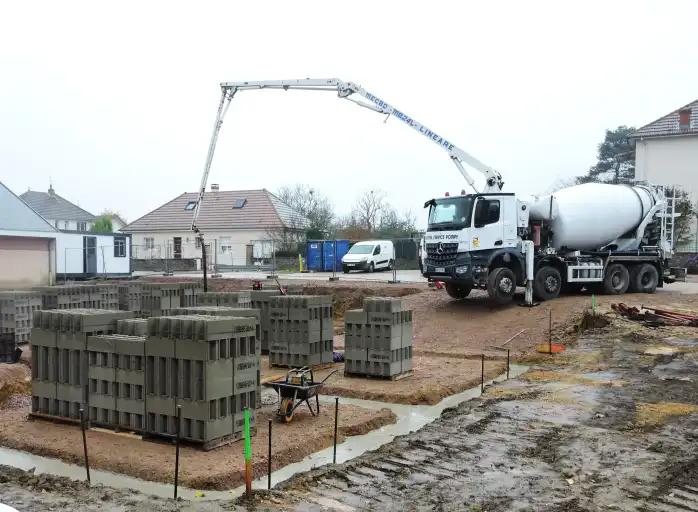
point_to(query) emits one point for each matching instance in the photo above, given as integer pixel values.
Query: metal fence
(266, 256)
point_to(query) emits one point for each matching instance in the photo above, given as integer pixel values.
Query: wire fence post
(84, 443)
(179, 423)
(550, 332)
(336, 416)
(334, 262)
(269, 458)
(394, 265)
(482, 375)
(508, 364)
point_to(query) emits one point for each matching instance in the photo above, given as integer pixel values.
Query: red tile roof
(669, 124)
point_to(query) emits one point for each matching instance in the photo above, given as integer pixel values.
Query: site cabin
(369, 255)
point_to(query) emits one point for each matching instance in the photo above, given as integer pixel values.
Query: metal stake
(336, 411)
(269, 459)
(84, 443)
(179, 422)
(507, 364)
(550, 332)
(482, 375)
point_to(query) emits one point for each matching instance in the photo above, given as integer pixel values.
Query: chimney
(215, 187)
(51, 192)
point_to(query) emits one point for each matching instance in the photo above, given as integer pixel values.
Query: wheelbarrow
(298, 387)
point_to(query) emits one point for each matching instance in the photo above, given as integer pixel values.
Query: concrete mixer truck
(610, 238)
(607, 238)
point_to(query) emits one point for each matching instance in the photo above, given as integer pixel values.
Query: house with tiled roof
(61, 213)
(238, 225)
(666, 152)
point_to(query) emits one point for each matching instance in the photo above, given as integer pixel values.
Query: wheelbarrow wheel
(286, 409)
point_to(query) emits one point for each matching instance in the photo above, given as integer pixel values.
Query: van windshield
(450, 213)
(361, 249)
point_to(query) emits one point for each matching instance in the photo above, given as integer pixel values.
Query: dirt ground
(222, 468)
(432, 379)
(610, 424)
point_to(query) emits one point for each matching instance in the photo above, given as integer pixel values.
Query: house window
(685, 119)
(190, 205)
(149, 243)
(82, 226)
(197, 242)
(119, 247)
(239, 203)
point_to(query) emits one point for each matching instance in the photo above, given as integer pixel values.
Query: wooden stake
(336, 416)
(84, 443)
(269, 459)
(248, 456)
(179, 423)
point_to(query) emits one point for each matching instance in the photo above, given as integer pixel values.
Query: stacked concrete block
(207, 364)
(132, 327)
(116, 381)
(59, 357)
(239, 299)
(301, 330)
(130, 296)
(159, 299)
(101, 296)
(16, 313)
(378, 339)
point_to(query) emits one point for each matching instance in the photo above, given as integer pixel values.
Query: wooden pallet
(399, 376)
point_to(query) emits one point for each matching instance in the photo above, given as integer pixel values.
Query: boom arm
(346, 90)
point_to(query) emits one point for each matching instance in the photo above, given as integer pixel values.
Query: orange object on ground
(547, 348)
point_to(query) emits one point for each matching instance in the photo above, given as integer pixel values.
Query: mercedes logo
(440, 248)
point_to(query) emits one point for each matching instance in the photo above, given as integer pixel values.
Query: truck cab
(467, 234)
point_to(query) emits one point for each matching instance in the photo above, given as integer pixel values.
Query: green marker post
(248, 455)
(593, 304)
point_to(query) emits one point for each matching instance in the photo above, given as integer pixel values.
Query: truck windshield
(450, 213)
(361, 249)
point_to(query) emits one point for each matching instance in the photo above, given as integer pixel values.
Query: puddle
(409, 419)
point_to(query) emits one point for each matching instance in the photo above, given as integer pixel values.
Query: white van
(369, 256)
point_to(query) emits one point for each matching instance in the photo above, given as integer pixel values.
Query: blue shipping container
(313, 255)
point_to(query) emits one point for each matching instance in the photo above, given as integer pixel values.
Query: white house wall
(669, 161)
(237, 241)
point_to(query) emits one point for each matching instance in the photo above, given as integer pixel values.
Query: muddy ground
(610, 424)
(222, 468)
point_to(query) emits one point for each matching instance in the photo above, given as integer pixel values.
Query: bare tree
(368, 209)
(311, 205)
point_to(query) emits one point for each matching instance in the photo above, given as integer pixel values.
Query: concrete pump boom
(493, 179)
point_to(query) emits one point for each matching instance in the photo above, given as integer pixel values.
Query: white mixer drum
(589, 216)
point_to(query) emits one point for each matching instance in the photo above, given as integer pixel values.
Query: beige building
(666, 153)
(238, 225)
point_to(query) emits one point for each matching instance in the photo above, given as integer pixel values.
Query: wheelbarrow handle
(328, 376)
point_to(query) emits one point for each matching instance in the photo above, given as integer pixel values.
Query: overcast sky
(115, 105)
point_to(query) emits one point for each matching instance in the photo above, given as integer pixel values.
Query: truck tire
(458, 291)
(371, 268)
(616, 280)
(547, 283)
(345, 269)
(644, 278)
(501, 285)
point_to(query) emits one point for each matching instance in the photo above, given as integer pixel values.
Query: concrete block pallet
(158, 299)
(239, 299)
(378, 339)
(16, 313)
(301, 330)
(59, 357)
(207, 364)
(130, 296)
(80, 296)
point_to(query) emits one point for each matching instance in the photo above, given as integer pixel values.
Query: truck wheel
(391, 264)
(501, 285)
(547, 283)
(644, 278)
(616, 280)
(371, 268)
(458, 291)
(345, 269)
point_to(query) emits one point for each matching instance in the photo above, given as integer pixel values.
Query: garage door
(24, 262)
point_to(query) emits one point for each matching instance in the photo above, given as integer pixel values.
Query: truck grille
(441, 258)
